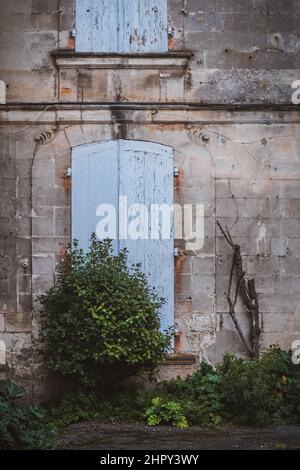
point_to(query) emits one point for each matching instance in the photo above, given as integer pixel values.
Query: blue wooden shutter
(124, 26)
(94, 180)
(143, 172)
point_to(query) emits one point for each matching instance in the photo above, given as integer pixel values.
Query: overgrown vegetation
(101, 325)
(101, 321)
(238, 391)
(93, 406)
(21, 425)
(261, 392)
(198, 395)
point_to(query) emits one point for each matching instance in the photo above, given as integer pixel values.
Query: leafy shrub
(260, 392)
(279, 364)
(101, 319)
(21, 425)
(198, 395)
(92, 406)
(165, 412)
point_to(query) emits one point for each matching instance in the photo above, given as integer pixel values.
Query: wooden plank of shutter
(125, 26)
(146, 177)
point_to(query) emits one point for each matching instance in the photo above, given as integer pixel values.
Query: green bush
(101, 321)
(21, 425)
(162, 411)
(198, 395)
(261, 392)
(93, 406)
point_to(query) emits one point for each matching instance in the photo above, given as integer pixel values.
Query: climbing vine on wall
(247, 291)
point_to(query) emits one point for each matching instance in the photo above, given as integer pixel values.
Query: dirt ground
(99, 436)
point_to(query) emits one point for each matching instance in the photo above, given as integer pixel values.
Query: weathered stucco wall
(245, 170)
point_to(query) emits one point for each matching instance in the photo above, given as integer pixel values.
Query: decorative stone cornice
(152, 113)
(68, 59)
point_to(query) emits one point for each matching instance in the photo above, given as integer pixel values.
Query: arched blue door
(136, 179)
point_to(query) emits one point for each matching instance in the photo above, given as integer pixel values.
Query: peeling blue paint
(125, 26)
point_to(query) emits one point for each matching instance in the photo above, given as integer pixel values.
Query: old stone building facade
(220, 96)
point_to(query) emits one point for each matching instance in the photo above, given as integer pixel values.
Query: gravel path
(137, 436)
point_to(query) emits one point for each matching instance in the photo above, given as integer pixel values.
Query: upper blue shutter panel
(121, 26)
(143, 173)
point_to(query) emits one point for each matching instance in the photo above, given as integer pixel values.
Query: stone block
(3, 283)
(44, 170)
(28, 86)
(62, 222)
(234, 6)
(203, 5)
(289, 265)
(203, 265)
(279, 246)
(22, 226)
(203, 302)
(54, 196)
(23, 246)
(8, 303)
(18, 322)
(227, 341)
(68, 85)
(204, 21)
(243, 22)
(24, 303)
(183, 284)
(5, 227)
(49, 245)
(42, 227)
(183, 264)
(37, 57)
(43, 264)
(279, 304)
(203, 283)
(14, 6)
(23, 283)
(43, 6)
(2, 323)
(283, 340)
(41, 283)
(16, 344)
(262, 266)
